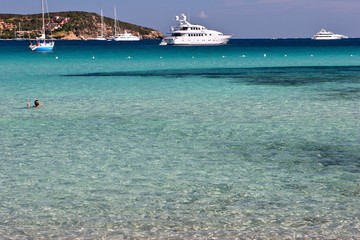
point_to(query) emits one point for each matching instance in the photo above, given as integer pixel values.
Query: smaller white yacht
(126, 37)
(122, 36)
(327, 35)
(186, 33)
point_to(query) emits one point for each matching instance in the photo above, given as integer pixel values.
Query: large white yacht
(327, 35)
(190, 34)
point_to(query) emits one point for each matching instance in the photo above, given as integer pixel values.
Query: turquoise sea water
(258, 139)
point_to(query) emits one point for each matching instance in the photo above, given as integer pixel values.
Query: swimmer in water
(36, 103)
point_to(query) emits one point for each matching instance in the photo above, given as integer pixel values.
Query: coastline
(71, 25)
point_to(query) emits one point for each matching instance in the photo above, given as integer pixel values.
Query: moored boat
(327, 35)
(122, 36)
(41, 45)
(186, 33)
(126, 37)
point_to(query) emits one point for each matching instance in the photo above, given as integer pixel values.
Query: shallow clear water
(143, 141)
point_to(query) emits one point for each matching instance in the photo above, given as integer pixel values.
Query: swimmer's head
(37, 103)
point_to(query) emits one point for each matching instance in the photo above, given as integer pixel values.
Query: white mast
(43, 19)
(102, 24)
(115, 21)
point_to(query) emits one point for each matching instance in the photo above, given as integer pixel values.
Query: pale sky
(242, 18)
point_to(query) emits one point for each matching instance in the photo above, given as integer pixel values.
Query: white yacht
(327, 35)
(126, 37)
(190, 34)
(122, 36)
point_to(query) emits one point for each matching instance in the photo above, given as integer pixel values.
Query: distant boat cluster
(117, 36)
(184, 33)
(42, 45)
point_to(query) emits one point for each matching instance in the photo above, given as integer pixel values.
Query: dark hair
(36, 103)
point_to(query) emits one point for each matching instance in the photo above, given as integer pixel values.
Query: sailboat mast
(102, 24)
(43, 16)
(114, 21)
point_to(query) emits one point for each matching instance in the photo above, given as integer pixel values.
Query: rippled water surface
(255, 139)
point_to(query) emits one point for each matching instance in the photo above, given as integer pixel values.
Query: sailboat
(101, 37)
(41, 45)
(123, 36)
(17, 38)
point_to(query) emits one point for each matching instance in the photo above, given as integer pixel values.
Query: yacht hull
(328, 38)
(42, 47)
(196, 41)
(127, 39)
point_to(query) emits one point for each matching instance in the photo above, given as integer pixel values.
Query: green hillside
(67, 25)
